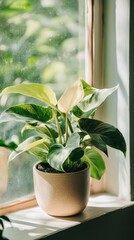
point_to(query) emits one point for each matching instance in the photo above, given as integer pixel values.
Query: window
(41, 41)
(111, 66)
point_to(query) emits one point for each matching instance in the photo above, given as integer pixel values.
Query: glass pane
(40, 41)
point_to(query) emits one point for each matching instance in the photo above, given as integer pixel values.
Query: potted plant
(65, 138)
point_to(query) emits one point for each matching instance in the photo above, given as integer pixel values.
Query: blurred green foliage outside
(40, 41)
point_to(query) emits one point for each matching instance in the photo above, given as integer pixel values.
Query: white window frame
(111, 67)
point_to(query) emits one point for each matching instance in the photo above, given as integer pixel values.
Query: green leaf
(88, 89)
(29, 126)
(71, 97)
(5, 218)
(106, 132)
(50, 130)
(40, 153)
(58, 153)
(47, 129)
(2, 224)
(62, 124)
(27, 113)
(96, 140)
(94, 100)
(76, 154)
(10, 145)
(73, 141)
(96, 163)
(27, 145)
(38, 91)
(80, 114)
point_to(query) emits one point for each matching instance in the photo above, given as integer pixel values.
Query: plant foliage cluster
(63, 133)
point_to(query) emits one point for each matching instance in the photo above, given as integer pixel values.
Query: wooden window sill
(18, 205)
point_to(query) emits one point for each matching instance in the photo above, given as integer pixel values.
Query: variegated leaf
(27, 113)
(35, 90)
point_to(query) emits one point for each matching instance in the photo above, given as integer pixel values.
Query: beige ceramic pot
(61, 194)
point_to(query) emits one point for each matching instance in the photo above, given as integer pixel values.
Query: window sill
(33, 223)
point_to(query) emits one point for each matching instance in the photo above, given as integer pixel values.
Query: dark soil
(45, 167)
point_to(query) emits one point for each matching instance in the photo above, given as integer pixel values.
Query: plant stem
(64, 116)
(66, 127)
(49, 132)
(70, 126)
(68, 123)
(58, 127)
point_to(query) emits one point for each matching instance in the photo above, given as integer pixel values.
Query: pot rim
(62, 173)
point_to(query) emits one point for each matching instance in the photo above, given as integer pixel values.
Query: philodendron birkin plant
(66, 134)
(64, 137)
